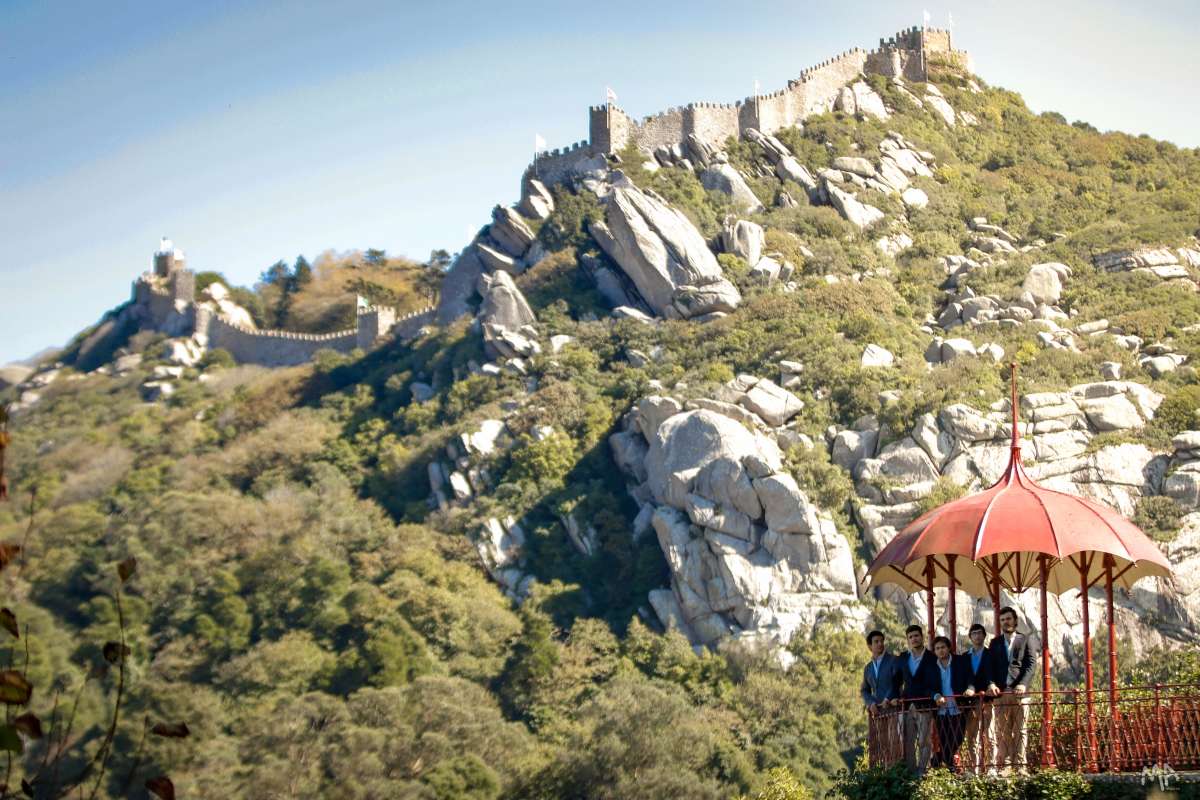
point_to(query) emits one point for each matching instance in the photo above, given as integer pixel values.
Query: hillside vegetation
(325, 633)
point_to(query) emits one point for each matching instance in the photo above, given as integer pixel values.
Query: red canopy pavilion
(1015, 535)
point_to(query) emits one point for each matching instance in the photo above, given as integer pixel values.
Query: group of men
(977, 698)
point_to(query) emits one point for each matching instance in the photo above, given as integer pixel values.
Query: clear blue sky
(250, 132)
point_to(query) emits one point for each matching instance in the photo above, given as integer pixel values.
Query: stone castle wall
(273, 348)
(905, 55)
(269, 348)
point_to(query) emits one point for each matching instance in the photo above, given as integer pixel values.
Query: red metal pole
(1114, 725)
(1159, 746)
(953, 604)
(1078, 737)
(929, 593)
(1047, 718)
(1088, 681)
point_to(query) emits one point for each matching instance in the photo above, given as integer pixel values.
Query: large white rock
(773, 403)
(953, 349)
(500, 545)
(869, 103)
(1044, 282)
(536, 200)
(787, 509)
(658, 248)
(503, 304)
(914, 197)
(743, 239)
(876, 356)
(510, 231)
(906, 462)
(939, 105)
(726, 179)
(686, 443)
(725, 481)
(1112, 413)
(856, 164)
(854, 211)
(850, 447)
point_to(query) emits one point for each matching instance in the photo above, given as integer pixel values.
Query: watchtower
(168, 258)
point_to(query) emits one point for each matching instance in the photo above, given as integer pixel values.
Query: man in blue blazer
(979, 752)
(919, 682)
(1013, 666)
(954, 675)
(880, 692)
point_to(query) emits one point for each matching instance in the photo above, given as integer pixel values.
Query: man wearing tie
(918, 685)
(978, 705)
(880, 691)
(1013, 665)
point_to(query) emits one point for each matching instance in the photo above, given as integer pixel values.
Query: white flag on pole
(610, 95)
(927, 18)
(950, 22)
(756, 87)
(539, 144)
(363, 305)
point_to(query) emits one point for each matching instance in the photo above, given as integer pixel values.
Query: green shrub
(1159, 517)
(1179, 412)
(544, 462)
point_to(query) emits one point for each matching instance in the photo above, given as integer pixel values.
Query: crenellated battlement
(904, 55)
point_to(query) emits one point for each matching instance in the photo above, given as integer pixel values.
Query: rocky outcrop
(663, 254)
(500, 544)
(536, 200)
(935, 100)
(505, 318)
(1173, 265)
(510, 232)
(750, 554)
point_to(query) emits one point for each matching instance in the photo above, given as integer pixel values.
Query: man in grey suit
(880, 690)
(1013, 666)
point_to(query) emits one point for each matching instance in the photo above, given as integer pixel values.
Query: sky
(254, 131)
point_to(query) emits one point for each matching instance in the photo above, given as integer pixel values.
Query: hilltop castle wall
(166, 303)
(269, 348)
(610, 129)
(274, 348)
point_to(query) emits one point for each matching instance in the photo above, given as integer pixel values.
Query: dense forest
(257, 558)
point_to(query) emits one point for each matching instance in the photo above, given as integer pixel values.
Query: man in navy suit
(977, 705)
(919, 682)
(954, 675)
(880, 693)
(1013, 665)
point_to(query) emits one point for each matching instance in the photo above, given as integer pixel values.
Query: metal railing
(1148, 727)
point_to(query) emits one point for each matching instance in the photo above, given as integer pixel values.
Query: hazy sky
(250, 132)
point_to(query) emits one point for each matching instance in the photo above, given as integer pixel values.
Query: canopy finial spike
(1012, 377)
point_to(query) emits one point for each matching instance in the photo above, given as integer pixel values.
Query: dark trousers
(951, 729)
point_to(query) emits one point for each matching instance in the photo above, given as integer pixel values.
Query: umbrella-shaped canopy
(1001, 533)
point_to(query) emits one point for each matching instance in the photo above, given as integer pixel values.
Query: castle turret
(168, 258)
